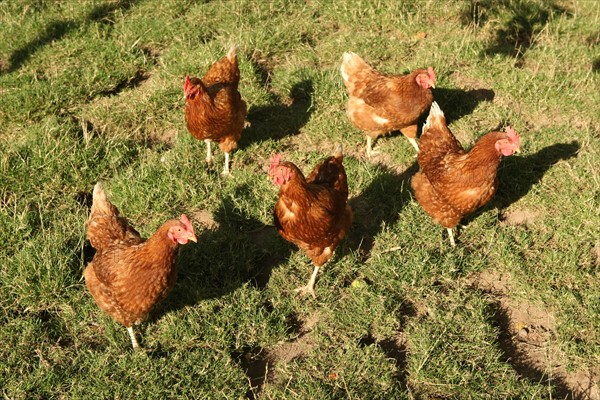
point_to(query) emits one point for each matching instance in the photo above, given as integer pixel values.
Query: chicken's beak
(193, 237)
(518, 150)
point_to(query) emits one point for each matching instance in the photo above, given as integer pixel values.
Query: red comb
(513, 135)
(275, 160)
(431, 73)
(186, 222)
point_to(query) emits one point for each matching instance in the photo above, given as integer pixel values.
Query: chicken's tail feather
(100, 203)
(232, 53)
(350, 64)
(339, 151)
(436, 117)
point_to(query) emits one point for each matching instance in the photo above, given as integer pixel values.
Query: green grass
(92, 90)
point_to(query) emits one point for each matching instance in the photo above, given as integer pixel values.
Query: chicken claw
(370, 151)
(310, 286)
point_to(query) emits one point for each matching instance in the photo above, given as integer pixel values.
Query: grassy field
(93, 90)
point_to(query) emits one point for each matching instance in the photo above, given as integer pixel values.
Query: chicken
(453, 183)
(214, 109)
(129, 275)
(380, 103)
(312, 212)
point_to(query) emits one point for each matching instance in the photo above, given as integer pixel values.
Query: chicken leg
(134, 341)
(414, 143)
(451, 236)
(370, 151)
(226, 166)
(411, 133)
(310, 286)
(208, 152)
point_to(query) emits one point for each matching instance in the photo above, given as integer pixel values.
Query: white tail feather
(339, 150)
(232, 53)
(434, 112)
(350, 61)
(99, 194)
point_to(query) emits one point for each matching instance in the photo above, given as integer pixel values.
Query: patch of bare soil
(527, 338)
(596, 255)
(468, 82)
(261, 364)
(284, 352)
(205, 218)
(519, 217)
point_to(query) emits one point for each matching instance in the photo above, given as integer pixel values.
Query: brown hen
(214, 109)
(453, 183)
(379, 104)
(312, 212)
(128, 274)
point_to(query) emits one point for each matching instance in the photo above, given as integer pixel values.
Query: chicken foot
(370, 151)
(226, 166)
(134, 341)
(310, 286)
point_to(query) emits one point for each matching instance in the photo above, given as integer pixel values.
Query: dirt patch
(167, 136)
(467, 82)
(519, 217)
(492, 281)
(260, 364)
(287, 351)
(205, 218)
(528, 341)
(595, 255)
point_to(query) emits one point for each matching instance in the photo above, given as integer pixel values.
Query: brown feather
(128, 274)
(217, 112)
(380, 103)
(313, 212)
(453, 183)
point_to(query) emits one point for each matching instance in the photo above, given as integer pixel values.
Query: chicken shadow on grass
(240, 249)
(456, 103)
(56, 30)
(518, 174)
(281, 118)
(380, 203)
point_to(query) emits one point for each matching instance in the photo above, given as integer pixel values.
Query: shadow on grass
(456, 103)
(518, 174)
(56, 30)
(380, 203)
(240, 250)
(254, 362)
(596, 65)
(394, 348)
(281, 119)
(520, 22)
